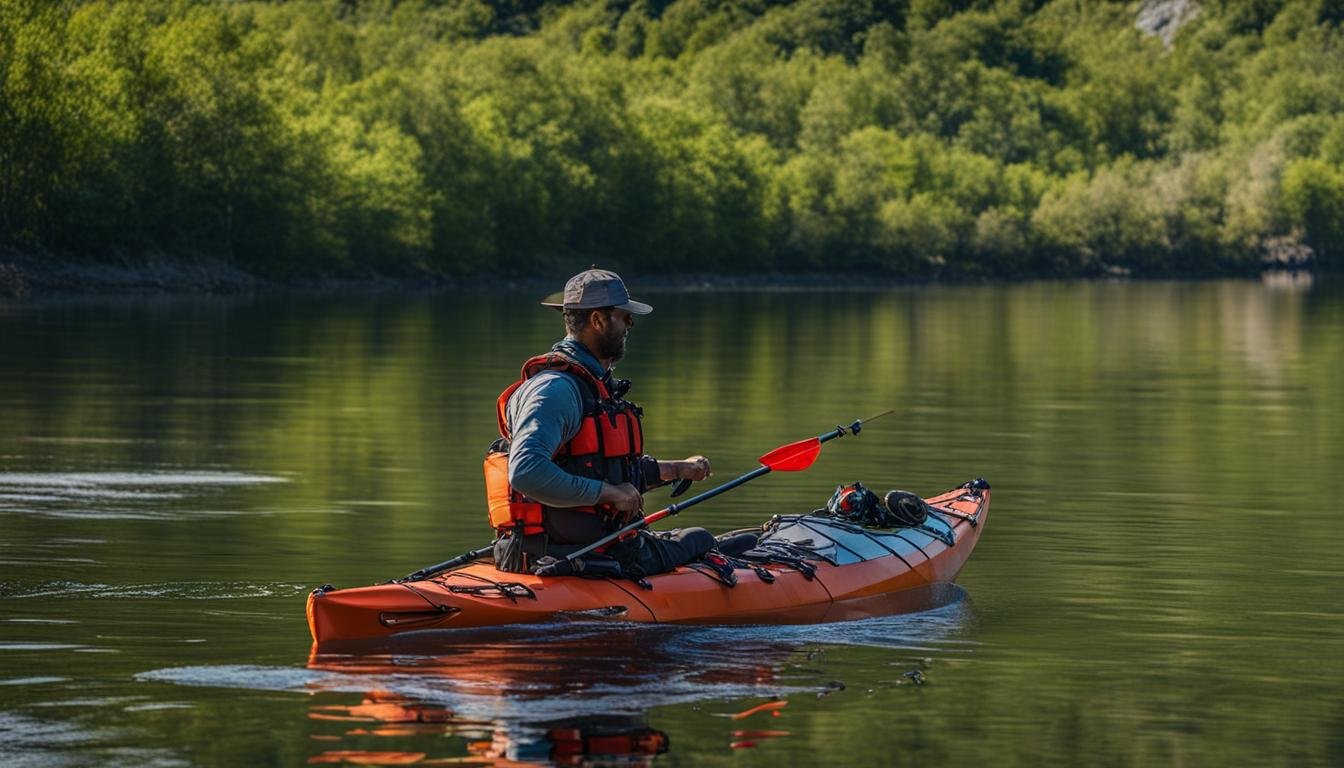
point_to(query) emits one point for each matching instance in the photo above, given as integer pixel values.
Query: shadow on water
(572, 693)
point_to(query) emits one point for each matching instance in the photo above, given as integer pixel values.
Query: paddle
(462, 559)
(476, 554)
(786, 458)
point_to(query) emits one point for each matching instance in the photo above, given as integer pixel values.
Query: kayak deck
(849, 573)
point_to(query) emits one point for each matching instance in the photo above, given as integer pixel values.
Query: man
(569, 466)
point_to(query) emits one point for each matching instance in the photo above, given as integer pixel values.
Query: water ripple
(40, 680)
(181, 590)
(28, 741)
(117, 495)
(113, 479)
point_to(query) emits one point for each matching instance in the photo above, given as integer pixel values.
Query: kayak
(806, 568)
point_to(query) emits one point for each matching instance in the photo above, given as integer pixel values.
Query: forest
(452, 138)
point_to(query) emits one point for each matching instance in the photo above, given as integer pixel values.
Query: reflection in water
(553, 671)
(578, 695)
(582, 692)
(581, 741)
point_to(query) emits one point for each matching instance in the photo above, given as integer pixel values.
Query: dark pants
(648, 553)
(660, 551)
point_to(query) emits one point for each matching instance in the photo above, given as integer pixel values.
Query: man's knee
(737, 543)
(697, 541)
(661, 552)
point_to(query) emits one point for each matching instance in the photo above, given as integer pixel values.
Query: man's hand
(624, 498)
(690, 468)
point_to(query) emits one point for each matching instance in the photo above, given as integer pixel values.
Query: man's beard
(611, 346)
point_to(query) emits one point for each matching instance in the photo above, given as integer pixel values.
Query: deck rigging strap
(436, 606)
(948, 537)
(777, 553)
(787, 550)
(878, 540)
(802, 521)
(974, 520)
(717, 566)
(510, 589)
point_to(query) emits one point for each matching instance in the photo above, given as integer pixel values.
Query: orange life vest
(607, 447)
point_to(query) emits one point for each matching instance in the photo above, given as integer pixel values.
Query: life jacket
(607, 447)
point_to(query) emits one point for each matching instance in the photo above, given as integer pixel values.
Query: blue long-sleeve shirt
(544, 414)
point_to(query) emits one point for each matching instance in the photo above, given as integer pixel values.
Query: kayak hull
(849, 584)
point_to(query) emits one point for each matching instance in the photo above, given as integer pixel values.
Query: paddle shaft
(654, 517)
(707, 495)
(462, 559)
(476, 554)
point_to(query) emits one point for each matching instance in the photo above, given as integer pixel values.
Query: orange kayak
(828, 570)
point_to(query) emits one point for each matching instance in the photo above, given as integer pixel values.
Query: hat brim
(635, 307)
(557, 301)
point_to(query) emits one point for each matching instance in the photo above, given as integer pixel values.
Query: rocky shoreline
(26, 276)
(29, 277)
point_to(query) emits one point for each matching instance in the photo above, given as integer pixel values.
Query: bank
(28, 276)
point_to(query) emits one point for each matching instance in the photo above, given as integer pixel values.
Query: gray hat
(593, 289)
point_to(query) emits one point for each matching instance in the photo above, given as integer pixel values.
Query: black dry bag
(905, 509)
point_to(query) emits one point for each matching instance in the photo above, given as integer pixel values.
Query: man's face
(612, 343)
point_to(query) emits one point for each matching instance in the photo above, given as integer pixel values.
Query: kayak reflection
(505, 695)
(625, 740)
(546, 671)
(580, 692)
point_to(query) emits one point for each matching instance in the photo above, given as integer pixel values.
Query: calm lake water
(1161, 581)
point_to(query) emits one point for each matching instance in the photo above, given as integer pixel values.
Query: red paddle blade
(794, 456)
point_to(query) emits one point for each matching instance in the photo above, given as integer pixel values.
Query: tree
(1313, 196)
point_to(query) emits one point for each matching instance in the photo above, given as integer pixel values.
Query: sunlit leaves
(1313, 192)
(473, 136)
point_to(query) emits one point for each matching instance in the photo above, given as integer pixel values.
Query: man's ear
(598, 319)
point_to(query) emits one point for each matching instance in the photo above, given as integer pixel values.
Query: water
(1160, 581)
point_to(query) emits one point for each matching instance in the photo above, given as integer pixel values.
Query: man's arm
(544, 414)
(690, 468)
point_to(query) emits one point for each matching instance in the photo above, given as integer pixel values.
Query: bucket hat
(594, 289)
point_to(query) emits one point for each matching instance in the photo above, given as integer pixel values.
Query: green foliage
(1108, 219)
(1313, 192)
(477, 136)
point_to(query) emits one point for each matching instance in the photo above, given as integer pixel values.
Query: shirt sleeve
(544, 414)
(650, 474)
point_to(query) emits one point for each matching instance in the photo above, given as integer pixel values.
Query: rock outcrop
(1164, 18)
